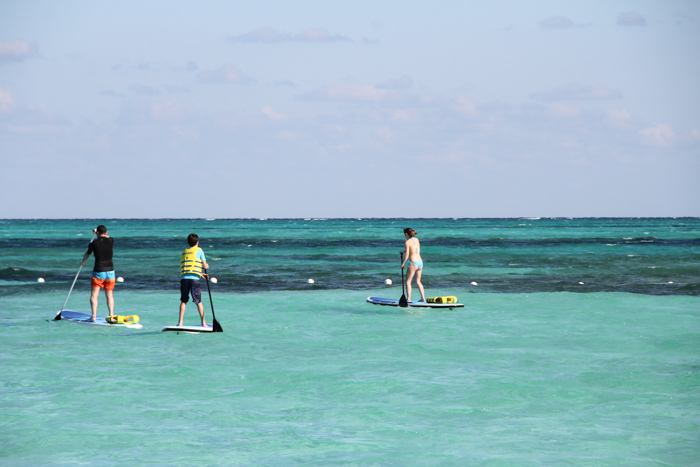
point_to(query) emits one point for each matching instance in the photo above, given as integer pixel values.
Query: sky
(332, 109)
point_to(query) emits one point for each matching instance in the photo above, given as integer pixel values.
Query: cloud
(563, 109)
(272, 114)
(618, 118)
(169, 109)
(271, 36)
(16, 51)
(351, 92)
(557, 22)
(226, 74)
(631, 18)
(659, 134)
(402, 83)
(161, 66)
(465, 106)
(572, 92)
(143, 90)
(384, 133)
(156, 111)
(7, 101)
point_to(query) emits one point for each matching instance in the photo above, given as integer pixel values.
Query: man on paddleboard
(103, 276)
(192, 263)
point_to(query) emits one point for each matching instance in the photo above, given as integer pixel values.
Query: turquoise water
(536, 369)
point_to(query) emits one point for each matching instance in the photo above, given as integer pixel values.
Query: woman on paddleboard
(415, 262)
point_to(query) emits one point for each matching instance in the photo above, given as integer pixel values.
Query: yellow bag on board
(118, 319)
(448, 299)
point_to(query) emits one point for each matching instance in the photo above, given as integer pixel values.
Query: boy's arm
(205, 265)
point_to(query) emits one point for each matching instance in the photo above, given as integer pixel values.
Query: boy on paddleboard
(103, 276)
(192, 262)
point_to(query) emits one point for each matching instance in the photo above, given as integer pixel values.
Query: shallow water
(315, 375)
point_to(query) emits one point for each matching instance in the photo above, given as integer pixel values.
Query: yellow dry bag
(118, 319)
(449, 299)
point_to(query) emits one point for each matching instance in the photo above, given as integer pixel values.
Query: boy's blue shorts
(190, 286)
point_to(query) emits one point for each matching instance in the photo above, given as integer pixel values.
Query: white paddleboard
(191, 329)
(395, 302)
(82, 318)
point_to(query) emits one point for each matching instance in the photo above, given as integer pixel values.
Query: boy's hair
(192, 239)
(101, 229)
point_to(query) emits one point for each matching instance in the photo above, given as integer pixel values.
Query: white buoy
(120, 279)
(474, 283)
(214, 280)
(41, 279)
(580, 283)
(311, 281)
(670, 282)
(388, 282)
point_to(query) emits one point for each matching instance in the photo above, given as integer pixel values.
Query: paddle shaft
(402, 302)
(58, 315)
(216, 325)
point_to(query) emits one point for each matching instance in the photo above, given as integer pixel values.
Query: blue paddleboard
(83, 318)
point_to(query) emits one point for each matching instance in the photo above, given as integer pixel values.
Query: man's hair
(192, 239)
(101, 229)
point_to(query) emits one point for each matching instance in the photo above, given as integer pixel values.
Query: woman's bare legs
(409, 276)
(412, 270)
(419, 273)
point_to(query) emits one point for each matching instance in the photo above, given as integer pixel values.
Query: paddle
(402, 301)
(58, 315)
(217, 326)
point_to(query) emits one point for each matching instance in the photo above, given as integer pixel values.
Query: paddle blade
(58, 316)
(217, 326)
(403, 302)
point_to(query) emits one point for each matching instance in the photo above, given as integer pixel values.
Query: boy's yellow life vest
(189, 263)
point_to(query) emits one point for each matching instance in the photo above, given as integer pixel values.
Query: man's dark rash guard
(102, 247)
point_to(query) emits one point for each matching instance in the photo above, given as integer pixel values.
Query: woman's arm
(405, 255)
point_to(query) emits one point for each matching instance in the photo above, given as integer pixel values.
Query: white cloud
(14, 51)
(350, 92)
(143, 89)
(631, 18)
(226, 74)
(402, 83)
(288, 135)
(7, 101)
(268, 35)
(384, 133)
(557, 22)
(270, 113)
(578, 92)
(618, 118)
(404, 115)
(659, 134)
(564, 109)
(168, 109)
(466, 106)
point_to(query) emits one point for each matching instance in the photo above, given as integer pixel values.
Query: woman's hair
(409, 232)
(192, 239)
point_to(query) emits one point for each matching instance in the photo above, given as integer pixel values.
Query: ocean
(578, 345)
